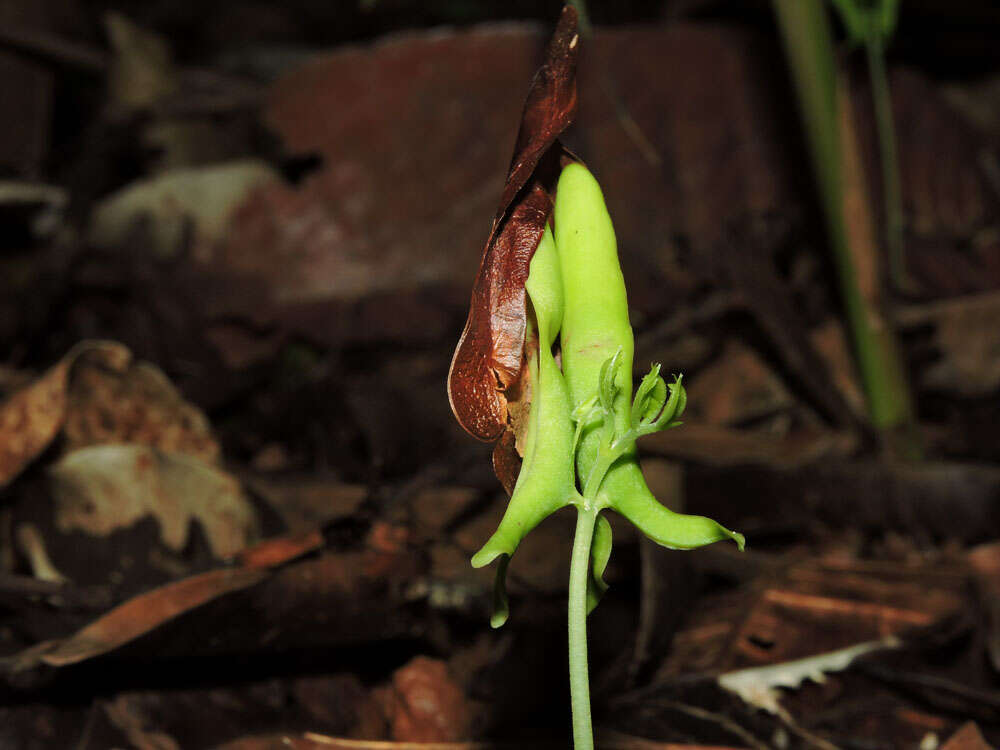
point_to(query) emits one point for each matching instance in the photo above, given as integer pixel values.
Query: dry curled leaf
(490, 354)
(102, 488)
(758, 685)
(423, 703)
(134, 404)
(506, 463)
(141, 614)
(32, 417)
(138, 616)
(968, 737)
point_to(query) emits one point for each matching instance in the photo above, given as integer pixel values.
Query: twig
(51, 48)
(718, 719)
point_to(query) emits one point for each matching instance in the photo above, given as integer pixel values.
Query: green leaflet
(595, 333)
(650, 398)
(600, 553)
(546, 482)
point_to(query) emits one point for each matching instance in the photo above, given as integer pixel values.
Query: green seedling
(580, 444)
(805, 32)
(870, 24)
(550, 280)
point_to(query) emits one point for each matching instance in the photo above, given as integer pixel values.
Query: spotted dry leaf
(32, 417)
(135, 404)
(489, 358)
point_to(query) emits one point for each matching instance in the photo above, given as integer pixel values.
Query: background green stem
(808, 46)
(579, 678)
(891, 191)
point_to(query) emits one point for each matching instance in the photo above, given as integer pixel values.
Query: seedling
(870, 24)
(550, 278)
(805, 32)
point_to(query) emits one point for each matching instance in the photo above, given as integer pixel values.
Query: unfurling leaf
(674, 407)
(608, 388)
(600, 553)
(650, 397)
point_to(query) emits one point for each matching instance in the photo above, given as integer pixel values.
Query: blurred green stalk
(891, 192)
(871, 23)
(806, 36)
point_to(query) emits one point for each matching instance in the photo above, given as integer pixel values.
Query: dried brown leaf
(424, 703)
(134, 404)
(138, 616)
(32, 417)
(548, 110)
(272, 552)
(102, 488)
(490, 353)
(968, 737)
(506, 462)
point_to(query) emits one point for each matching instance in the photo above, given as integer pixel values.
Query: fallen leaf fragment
(134, 404)
(758, 685)
(32, 417)
(272, 552)
(143, 71)
(985, 561)
(737, 387)
(490, 354)
(713, 445)
(32, 546)
(968, 339)
(132, 720)
(103, 488)
(138, 616)
(172, 205)
(968, 737)
(423, 703)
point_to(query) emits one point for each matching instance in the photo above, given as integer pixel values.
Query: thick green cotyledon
(580, 445)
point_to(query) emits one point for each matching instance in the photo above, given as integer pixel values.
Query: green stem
(606, 456)
(579, 678)
(809, 49)
(891, 191)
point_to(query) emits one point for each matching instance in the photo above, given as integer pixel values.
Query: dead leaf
(131, 718)
(758, 685)
(985, 562)
(490, 353)
(102, 488)
(272, 552)
(721, 446)
(192, 204)
(134, 404)
(32, 417)
(143, 71)
(736, 387)
(32, 546)
(424, 704)
(968, 737)
(305, 503)
(138, 616)
(506, 461)
(830, 342)
(967, 337)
